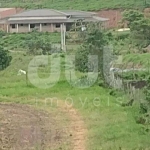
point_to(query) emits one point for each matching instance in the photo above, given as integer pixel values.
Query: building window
(13, 26)
(57, 25)
(21, 24)
(32, 25)
(45, 24)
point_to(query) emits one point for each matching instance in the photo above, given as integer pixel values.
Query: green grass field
(78, 4)
(143, 59)
(18, 41)
(109, 125)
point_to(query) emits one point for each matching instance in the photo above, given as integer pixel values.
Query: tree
(139, 26)
(82, 58)
(140, 30)
(36, 44)
(5, 58)
(94, 42)
(132, 15)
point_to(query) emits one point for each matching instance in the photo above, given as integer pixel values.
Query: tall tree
(96, 38)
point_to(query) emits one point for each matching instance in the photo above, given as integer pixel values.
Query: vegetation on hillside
(137, 39)
(105, 119)
(139, 26)
(77, 4)
(109, 125)
(96, 44)
(5, 58)
(20, 41)
(137, 58)
(93, 44)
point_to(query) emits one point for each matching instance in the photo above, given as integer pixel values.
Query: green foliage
(121, 42)
(144, 118)
(18, 41)
(143, 108)
(147, 91)
(140, 32)
(109, 125)
(121, 35)
(132, 15)
(5, 58)
(2, 33)
(94, 41)
(134, 75)
(35, 43)
(140, 28)
(77, 4)
(141, 59)
(82, 58)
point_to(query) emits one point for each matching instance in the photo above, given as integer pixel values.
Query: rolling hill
(76, 4)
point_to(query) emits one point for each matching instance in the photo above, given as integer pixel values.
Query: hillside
(102, 114)
(76, 4)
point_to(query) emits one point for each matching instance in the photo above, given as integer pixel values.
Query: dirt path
(25, 128)
(77, 129)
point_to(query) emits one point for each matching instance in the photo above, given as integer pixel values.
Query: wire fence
(131, 78)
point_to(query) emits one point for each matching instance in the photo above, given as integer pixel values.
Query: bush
(34, 43)
(2, 33)
(123, 35)
(81, 61)
(5, 59)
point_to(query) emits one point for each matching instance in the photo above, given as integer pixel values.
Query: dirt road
(26, 128)
(77, 126)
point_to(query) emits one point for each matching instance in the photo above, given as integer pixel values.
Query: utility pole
(61, 27)
(63, 37)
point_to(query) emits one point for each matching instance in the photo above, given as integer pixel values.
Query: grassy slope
(109, 125)
(77, 4)
(13, 41)
(18, 41)
(143, 59)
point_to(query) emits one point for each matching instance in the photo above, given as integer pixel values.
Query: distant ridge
(92, 5)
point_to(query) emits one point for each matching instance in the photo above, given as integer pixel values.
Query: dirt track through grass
(78, 129)
(25, 128)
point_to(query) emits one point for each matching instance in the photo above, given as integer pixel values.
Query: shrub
(2, 33)
(5, 58)
(81, 61)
